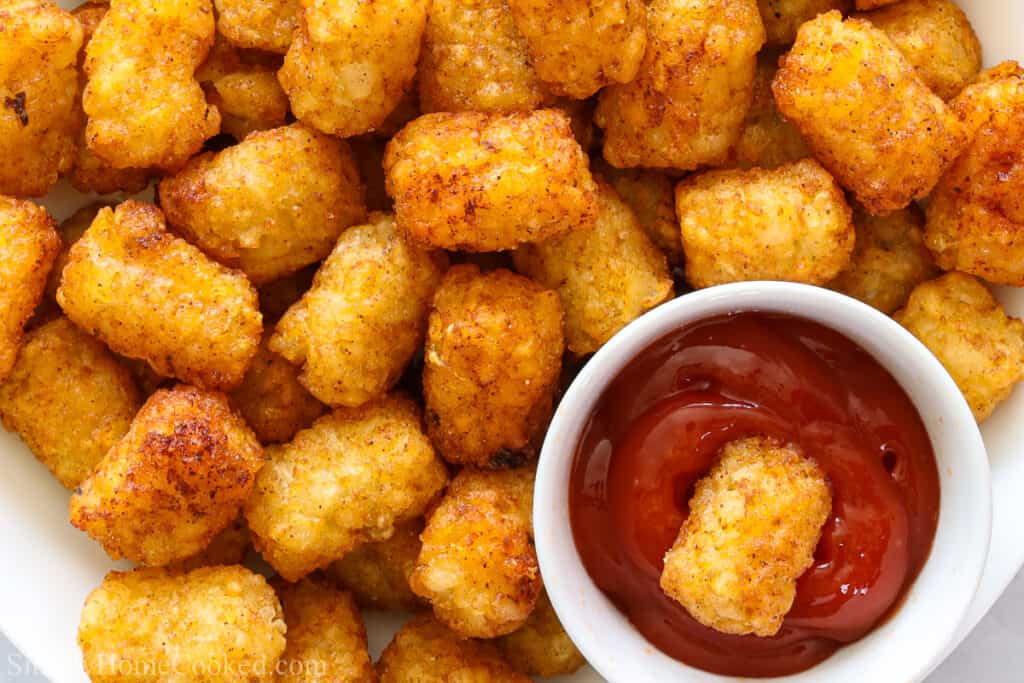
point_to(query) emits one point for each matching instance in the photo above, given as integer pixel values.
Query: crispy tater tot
(606, 276)
(258, 24)
(791, 223)
(270, 205)
(143, 56)
(782, 18)
(68, 398)
(143, 292)
(425, 651)
(365, 316)
(960, 322)
(581, 116)
(351, 62)
(478, 567)
(579, 46)
(201, 627)
(889, 259)
(492, 359)
(28, 248)
(349, 479)
(249, 100)
(541, 647)
(272, 400)
(39, 90)
(937, 38)
(474, 59)
(755, 520)
(173, 482)
(861, 107)
(228, 547)
(685, 108)
(976, 214)
(377, 573)
(326, 636)
(486, 182)
(651, 196)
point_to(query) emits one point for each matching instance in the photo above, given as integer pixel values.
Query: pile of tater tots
(382, 237)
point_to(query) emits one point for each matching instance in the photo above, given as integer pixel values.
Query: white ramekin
(909, 644)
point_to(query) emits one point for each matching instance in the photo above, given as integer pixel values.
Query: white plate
(48, 567)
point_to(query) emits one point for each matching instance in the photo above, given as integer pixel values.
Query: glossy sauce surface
(657, 429)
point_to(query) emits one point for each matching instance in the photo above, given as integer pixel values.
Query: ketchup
(657, 429)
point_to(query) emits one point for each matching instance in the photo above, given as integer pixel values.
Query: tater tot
(39, 90)
(349, 479)
(425, 651)
(364, 317)
(755, 520)
(351, 62)
(791, 223)
(228, 547)
(478, 567)
(249, 100)
(326, 636)
(142, 56)
(782, 18)
(982, 348)
(651, 196)
(173, 482)
(201, 627)
(272, 400)
(869, 118)
(976, 214)
(143, 291)
(475, 59)
(579, 46)
(68, 398)
(258, 24)
(936, 37)
(492, 360)
(606, 276)
(541, 647)
(377, 573)
(889, 259)
(685, 108)
(486, 182)
(29, 244)
(270, 205)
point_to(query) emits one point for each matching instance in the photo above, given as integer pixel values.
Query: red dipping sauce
(657, 429)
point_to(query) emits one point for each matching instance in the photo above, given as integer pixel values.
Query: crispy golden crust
(685, 108)
(782, 18)
(791, 223)
(605, 277)
(173, 482)
(889, 259)
(861, 107)
(424, 651)
(142, 56)
(492, 359)
(351, 62)
(579, 46)
(349, 479)
(485, 182)
(976, 215)
(269, 205)
(936, 37)
(272, 400)
(960, 321)
(228, 547)
(992, 91)
(767, 140)
(474, 59)
(377, 573)
(143, 291)
(478, 567)
(326, 636)
(365, 316)
(651, 196)
(68, 398)
(207, 626)
(541, 647)
(249, 100)
(39, 89)
(754, 522)
(258, 24)
(28, 247)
